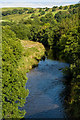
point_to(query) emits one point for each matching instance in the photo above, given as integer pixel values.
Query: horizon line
(35, 4)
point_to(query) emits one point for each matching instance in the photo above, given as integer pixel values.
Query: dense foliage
(57, 28)
(13, 80)
(14, 11)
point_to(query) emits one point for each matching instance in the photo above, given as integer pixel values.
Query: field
(26, 15)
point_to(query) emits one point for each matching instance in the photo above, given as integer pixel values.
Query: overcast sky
(35, 3)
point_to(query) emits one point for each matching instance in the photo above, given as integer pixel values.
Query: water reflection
(45, 85)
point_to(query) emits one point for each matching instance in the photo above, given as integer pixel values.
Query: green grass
(25, 15)
(11, 8)
(15, 17)
(32, 53)
(54, 12)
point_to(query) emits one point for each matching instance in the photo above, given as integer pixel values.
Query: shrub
(42, 12)
(66, 7)
(60, 7)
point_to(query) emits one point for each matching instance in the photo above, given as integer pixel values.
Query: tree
(53, 9)
(14, 11)
(30, 10)
(60, 7)
(13, 79)
(42, 12)
(46, 9)
(21, 31)
(55, 6)
(40, 9)
(66, 7)
(71, 6)
(4, 13)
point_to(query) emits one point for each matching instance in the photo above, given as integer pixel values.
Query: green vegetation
(30, 10)
(56, 28)
(13, 80)
(16, 61)
(32, 53)
(14, 11)
(60, 7)
(66, 7)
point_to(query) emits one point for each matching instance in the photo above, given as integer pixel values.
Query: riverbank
(32, 53)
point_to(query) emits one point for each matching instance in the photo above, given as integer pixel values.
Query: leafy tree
(53, 9)
(4, 13)
(21, 31)
(71, 6)
(30, 10)
(40, 9)
(55, 6)
(20, 11)
(46, 9)
(61, 15)
(43, 19)
(49, 15)
(66, 7)
(14, 11)
(42, 12)
(33, 15)
(13, 80)
(75, 11)
(60, 7)
(77, 5)
(25, 9)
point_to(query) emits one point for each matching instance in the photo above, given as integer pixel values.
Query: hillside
(57, 29)
(18, 14)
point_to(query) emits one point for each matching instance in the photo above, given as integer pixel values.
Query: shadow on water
(45, 83)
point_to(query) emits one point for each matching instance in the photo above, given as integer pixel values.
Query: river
(45, 84)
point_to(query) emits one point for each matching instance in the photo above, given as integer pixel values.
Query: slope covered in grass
(56, 28)
(32, 53)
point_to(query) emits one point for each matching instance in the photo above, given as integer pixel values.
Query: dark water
(45, 85)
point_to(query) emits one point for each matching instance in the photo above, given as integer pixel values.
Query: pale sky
(35, 3)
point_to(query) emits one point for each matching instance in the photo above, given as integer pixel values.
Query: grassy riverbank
(32, 53)
(18, 57)
(56, 28)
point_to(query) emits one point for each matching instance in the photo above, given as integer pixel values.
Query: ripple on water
(45, 85)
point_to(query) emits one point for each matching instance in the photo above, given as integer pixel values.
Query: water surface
(45, 84)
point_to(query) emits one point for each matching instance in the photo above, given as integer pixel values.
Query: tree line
(59, 32)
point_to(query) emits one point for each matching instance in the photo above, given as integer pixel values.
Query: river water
(45, 84)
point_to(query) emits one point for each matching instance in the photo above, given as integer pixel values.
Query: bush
(53, 9)
(30, 10)
(77, 5)
(71, 6)
(14, 11)
(13, 80)
(33, 15)
(25, 9)
(22, 31)
(42, 12)
(40, 9)
(21, 11)
(60, 7)
(4, 13)
(60, 15)
(55, 6)
(46, 9)
(43, 19)
(66, 7)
